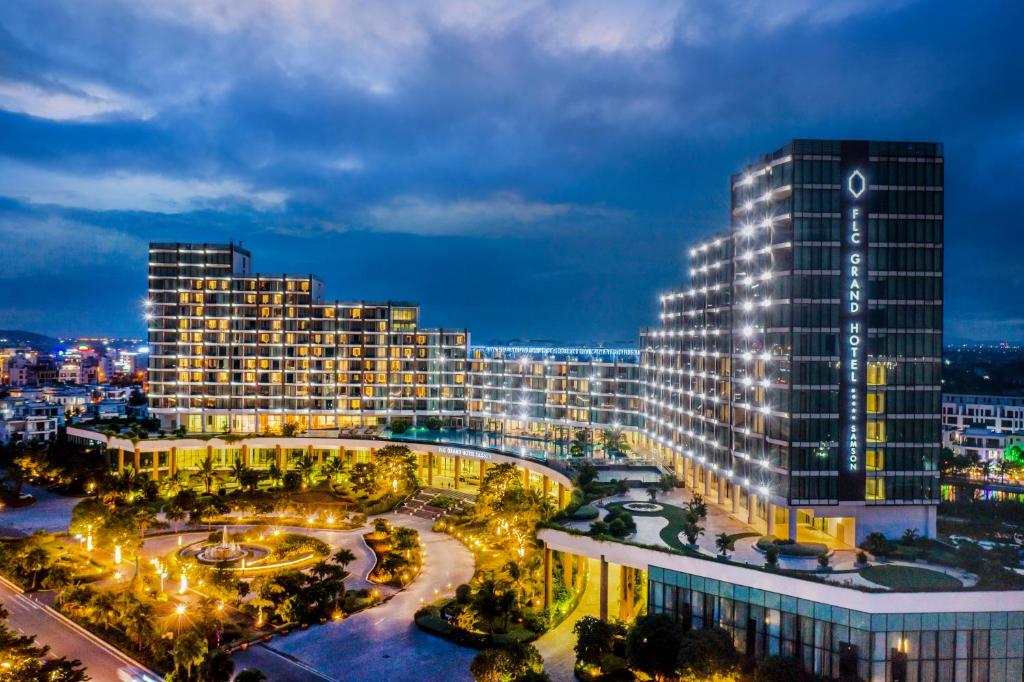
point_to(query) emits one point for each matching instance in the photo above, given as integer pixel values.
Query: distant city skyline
(528, 172)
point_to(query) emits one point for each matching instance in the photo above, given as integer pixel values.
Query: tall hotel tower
(797, 377)
(248, 353)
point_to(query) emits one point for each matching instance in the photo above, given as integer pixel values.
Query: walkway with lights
(382, 643)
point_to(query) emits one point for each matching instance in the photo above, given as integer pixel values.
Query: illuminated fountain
(225, 551)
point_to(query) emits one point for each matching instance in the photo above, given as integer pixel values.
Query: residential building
(26, 420)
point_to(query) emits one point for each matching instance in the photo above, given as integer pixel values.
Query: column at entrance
(604, 589)
(430, 468)
(458, 471)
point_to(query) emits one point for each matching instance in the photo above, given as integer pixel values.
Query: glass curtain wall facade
(235, 351)
(832, 642)
(800, 368)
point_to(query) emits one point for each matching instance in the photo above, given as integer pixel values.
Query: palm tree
(344, 557)
(724, 543)
(138, 623)
(105, 610)
(144, 517)
(207, 473)
(189, 651)
(275, 474)
(307, 467)
(238, 470)
(174, 514)
(580, 444)
(332, 468)
(34, 562)
(173, 482)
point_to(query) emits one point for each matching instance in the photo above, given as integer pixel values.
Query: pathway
(382, 643)
(557, 646)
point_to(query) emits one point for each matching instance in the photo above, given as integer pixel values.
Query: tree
(614, 442)
(250, 479)
(173, 482)
(512, 664)
(289, 430)
(499, 479)
(238, 471)
(652, 645)
(343, 557)
(724, 543)
(400, 425)
(189, 651)
(217, 666)
(652, 492)
(595, 638)
(207, 473)
(910, 536)
(175, 514)
(580, 445)
(34, 562)
(138, 623)
(698, 507)
(275, 474)
(307, 468)
(25, 661)
(692, 531)
(396, 468)
(707, 652)
(332, 468)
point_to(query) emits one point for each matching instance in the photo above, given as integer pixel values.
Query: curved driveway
(382, 643)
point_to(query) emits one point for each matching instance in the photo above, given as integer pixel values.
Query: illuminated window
(874, 489)
(875, 460)
(876, 432)
(354, 404)
(876, 403)
(877, 374)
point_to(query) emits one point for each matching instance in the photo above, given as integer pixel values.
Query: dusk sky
(524, 169)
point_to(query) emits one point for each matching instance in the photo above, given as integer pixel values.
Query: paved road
(103, 662)
(382, 643)
(51, 512)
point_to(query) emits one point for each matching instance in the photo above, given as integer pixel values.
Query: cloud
(62, 103)
(504, 213)
(126, 191)
(35, 245)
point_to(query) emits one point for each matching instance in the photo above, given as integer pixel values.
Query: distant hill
(15, 337)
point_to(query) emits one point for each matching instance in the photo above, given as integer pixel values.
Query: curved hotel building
(793, 380)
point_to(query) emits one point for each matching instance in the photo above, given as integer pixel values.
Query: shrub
(463, 593)
(599, 528)
(877, 544)
(400, 425)
(771, 556)
(587, 512)
(862, 556)
(823, 560)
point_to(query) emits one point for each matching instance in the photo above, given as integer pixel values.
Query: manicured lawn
(910, 578)
(676, 520)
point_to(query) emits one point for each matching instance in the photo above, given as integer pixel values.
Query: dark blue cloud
(524, 170)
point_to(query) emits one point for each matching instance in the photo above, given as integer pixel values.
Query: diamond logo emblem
(857, 184)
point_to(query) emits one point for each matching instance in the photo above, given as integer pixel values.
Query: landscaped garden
(909, 578)
(398, 551)
(504, 601)
(179, 612)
